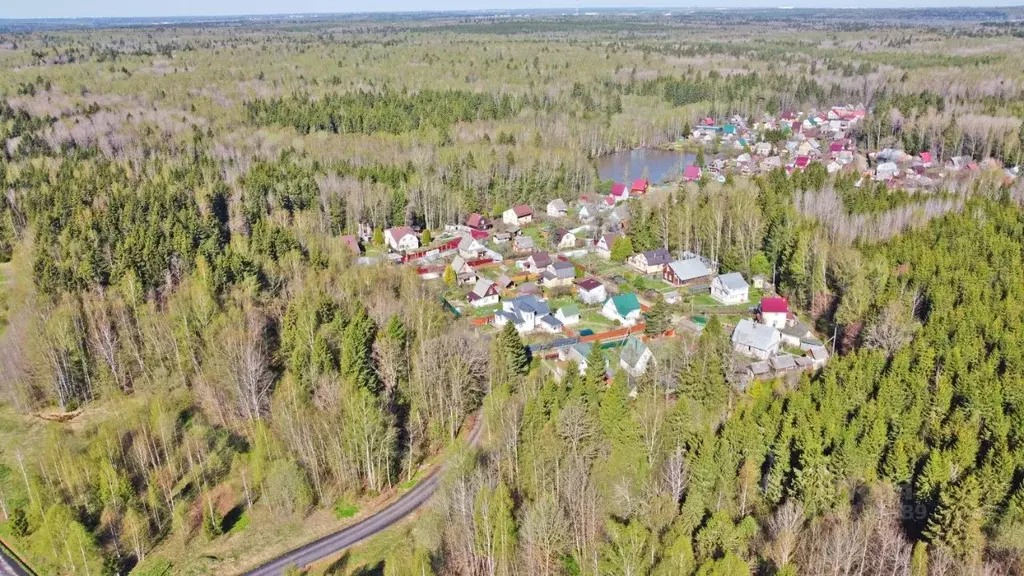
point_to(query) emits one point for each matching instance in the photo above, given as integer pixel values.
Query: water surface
(661, 165)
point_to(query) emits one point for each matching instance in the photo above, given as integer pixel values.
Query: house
(577, 353)
(634, 357)
(478, 222)
(692, 173)
(520, 215)
(591, 291)
(686, 272)
(624, 309)
(818, 356)
(505, 282)
(559, 273)
(730, 288)
(564, 239)
(619, 192)
(763, 149)
(755, 340)
(650, 261)
(549, 324)
(503, 238)
(569, 314)
(523, 311)
(528, 289)
(802, 162)
(586, 212)
(537, 262)
(774, 312)
(886, 171)
(557, 208)
(401, 239)
(523, 243)
(469, 247)
(926, 159)
(604, 245)
(485, 293)
(639, 186)
(794, 334)
(352, 243)
(463, 271)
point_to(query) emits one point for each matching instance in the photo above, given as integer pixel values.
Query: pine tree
(212, 521)
(19, 522)
(357, 354)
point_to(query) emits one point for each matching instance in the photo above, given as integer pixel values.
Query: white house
(650, 261)
(634, 357)
(549, 324)
(755, 340)
(401, 239)
(886, 171)
(569, 314)
(774, 312)
(578, 354)
(520, 215)
(624, 309)
(591, 291)
(557, 208)
(564, 239)
(730, 288)
(470, 247)
(485, 293)
(523, 311)
(604, 245)
(463, 271)
(537, 262)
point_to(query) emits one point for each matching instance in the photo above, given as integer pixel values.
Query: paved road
(8, 566)
(334, 543)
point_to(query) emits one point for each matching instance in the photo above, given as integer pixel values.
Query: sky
(137, 8)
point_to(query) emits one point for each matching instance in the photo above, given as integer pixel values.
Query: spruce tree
(956, 522)
(8, 236)
(657, 320)
(513, 351)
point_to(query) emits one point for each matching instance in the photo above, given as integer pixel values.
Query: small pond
(661, 165)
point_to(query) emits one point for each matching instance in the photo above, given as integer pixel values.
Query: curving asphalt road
(334, 543)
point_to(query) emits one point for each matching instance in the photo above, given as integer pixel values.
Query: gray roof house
(757, 340)
(730, 288)
(689, 271)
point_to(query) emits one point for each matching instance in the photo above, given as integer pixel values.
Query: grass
(343, 510)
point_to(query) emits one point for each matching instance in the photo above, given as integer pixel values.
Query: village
(795, 140)
(566, 286)
(566, 277)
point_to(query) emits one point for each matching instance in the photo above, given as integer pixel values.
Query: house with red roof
(619, 192)
(692, 173)
(926, 159)
(352, 243)
(401, 239)
(835, 148)
(802, 162)
(478, 222)
(640, 186)
(774, 311)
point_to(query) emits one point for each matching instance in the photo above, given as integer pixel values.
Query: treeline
(387, 111)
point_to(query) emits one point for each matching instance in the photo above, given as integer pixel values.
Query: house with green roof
(569, 314)
(634, 357)
(624, 309)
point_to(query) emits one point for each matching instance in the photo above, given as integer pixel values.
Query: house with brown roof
(401, 239)
(520, 215)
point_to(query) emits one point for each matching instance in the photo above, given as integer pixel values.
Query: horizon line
(499, 11)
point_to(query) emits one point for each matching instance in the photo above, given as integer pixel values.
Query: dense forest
(197, 376)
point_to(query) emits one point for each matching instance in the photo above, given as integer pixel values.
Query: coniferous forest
(198, 374)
